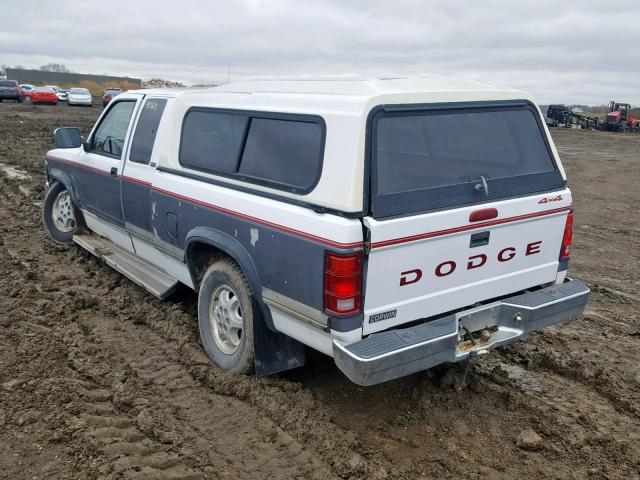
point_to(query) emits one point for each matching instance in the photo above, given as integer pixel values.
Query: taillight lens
(342, 284)
(567, 238)
(16, 89)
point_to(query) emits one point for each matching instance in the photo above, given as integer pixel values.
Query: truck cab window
(110, 134)
(146, 130)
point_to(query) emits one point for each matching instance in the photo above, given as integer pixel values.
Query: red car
(109, 94)
(44, 95)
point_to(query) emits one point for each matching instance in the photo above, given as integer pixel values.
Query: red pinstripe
(464, 228)
(315, 238)
(226, 211)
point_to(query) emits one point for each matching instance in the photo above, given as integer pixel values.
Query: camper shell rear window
(431, 157)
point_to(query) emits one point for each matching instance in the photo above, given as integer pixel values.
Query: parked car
(44, 95)
(26, 90)
(10, 90)
(393, 224)
(109, 95)
(60, 92)
(80, 96)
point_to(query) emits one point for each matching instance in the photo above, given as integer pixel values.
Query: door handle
(479, 239)
(114, 171)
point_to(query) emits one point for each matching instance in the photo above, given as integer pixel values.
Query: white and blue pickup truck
(391, 223)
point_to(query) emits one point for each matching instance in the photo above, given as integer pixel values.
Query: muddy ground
(98, 379)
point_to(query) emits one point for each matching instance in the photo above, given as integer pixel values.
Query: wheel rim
(62, 213)
(225, 318)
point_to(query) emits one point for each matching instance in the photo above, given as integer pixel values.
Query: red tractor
(619, 120)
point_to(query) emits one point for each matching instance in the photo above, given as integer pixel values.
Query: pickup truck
(393, 224)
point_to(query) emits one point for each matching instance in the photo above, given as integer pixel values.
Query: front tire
(61, 219)
(225, 316)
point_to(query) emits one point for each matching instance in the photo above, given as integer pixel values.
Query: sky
(560, 51)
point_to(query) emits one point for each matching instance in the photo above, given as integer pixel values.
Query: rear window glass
(212, 141)
(146, 130)
(8, 83)
(428, 150)
(283, 151)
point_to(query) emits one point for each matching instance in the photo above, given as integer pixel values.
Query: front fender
(54, 173)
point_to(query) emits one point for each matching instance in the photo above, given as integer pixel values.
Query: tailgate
(429, 264)
(468, 203)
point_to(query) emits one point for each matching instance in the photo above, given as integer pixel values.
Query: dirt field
(100, 380)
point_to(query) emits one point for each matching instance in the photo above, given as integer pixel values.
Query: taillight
(16, 89)
(342, 284)
(567, 238)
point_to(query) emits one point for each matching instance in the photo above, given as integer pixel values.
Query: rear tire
(225, 316)
(61, 218)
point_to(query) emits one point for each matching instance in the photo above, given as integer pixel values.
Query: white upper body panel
(343, 103)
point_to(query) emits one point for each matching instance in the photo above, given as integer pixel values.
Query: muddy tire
(61, 219)
(225, 316)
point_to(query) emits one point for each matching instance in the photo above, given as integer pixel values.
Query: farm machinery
(561, 115)
(618, 119)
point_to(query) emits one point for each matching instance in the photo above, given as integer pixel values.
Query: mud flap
(274, 352)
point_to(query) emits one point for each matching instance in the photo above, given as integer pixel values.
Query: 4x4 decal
(557, 198)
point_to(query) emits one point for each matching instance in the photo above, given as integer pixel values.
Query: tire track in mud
(576, 421)
(240, 425)
(222, 436)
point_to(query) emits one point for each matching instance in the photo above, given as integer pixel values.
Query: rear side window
(283, 151)
(278, 150)
(211, 141)
(425, 160)
(146, 130)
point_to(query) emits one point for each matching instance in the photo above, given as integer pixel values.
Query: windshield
(429, 159)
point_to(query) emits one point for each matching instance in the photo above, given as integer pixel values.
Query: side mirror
(86, 145)
(67, 137)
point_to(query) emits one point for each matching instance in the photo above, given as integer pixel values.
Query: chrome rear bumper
(395, 353)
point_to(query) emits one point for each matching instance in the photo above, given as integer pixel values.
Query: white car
(80, 96)
(60, 93)
(391, 223)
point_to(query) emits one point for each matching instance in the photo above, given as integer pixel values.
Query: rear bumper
(395, 353)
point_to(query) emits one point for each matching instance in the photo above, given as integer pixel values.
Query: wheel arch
(274, 351)
(226, 244)
(58, 175)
